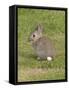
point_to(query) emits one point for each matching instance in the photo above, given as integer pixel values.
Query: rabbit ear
(39, 28)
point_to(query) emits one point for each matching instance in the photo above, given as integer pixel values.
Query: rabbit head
(36, 34)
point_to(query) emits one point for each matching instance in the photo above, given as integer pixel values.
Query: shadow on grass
(27, 55)
(31, 56)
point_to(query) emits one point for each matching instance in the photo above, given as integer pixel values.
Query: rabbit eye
(33, 35)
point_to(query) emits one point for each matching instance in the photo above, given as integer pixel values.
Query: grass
(29, 68)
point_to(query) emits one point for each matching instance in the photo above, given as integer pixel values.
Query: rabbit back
(44, 48)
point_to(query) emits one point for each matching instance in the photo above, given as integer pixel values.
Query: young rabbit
(43, 46)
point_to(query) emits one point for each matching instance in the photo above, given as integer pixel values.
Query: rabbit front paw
(38, 58)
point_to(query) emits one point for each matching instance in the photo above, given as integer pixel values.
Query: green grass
(29, 68)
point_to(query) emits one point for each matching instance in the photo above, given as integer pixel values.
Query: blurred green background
(29, 68)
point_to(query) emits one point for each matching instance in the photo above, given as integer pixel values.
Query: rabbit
(42, 45)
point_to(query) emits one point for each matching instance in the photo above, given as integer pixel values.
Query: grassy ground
(29, 68)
